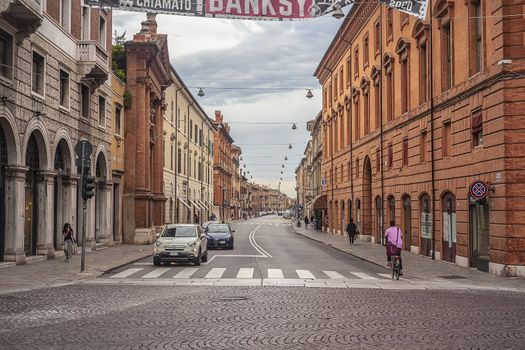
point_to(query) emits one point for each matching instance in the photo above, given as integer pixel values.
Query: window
(179, 158)
(178, 117)
(348, 71)
(356, 61)
(341, 80)
(172, 112)
(330, 93)
(196, 130)
(377, 38)
(37, 85)
(64, 89)
(405, 88)
(357, 168)
(447, 139)
(65, 14)
(366, 102)
(101, 111)
(172, 148)
(357, 134)
(477, 128)
(405, 152)
(102, 32)
(377, 106)
(403, 19)
(389, 95)
(335, 87)
(6, 55)
(423, 146)
(190, 130)
(475, 36)
(446, 57)
(189, 165)
(366, 48)
(84, 101)
(423, 73)
(118, 111)
(390, 155)
(86, 21)
(389, 24)
(378, 160)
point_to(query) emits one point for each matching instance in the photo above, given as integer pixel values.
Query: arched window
(388, 66)
(402, 50)
(420, 33)
(391, 208)
(443, 12)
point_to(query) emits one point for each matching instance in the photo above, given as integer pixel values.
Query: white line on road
(334, 275)
(186, 272)
(215, 272)
(156, 273)
(363, 276)
(275, 273)
(142, 264)
(305, 274)
(127, 272)
(245, 273)
(254, 244)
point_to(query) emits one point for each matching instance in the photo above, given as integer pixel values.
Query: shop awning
(320, 202)
(183, 202)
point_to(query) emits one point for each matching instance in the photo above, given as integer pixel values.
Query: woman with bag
(394, 243)
(69, 241)
(352, 230)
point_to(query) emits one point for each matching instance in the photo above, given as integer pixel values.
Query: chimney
(218, 116)
(149, 26)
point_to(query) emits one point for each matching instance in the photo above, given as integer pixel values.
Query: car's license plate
(222, 242)
(175, 253)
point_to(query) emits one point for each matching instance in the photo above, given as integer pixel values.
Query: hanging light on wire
(200, 93)
(309, 94)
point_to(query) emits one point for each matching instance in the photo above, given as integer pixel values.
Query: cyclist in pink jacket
(394, 236)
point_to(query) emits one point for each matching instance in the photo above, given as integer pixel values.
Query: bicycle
(395, 264)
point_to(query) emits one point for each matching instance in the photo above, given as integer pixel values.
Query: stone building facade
(148, 75)
(316, 201)
(54, 91)
(118, 147)
(188, 156)
(412, 124)
(222, 167)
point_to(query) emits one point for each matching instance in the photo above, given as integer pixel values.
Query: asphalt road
(266, 249)
(211, 308)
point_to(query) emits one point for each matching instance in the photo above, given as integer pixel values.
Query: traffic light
(88, 187)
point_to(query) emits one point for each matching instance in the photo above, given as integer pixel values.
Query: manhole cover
(452, 277)
(228, 299)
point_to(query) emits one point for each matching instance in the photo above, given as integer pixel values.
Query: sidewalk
(414, 266)
(56, 272)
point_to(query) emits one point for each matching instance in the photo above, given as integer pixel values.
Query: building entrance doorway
(379, 220)
(31, 197)
(425, 225)
(3, 165)
(479, 233)
(407, 222)
(449, 228)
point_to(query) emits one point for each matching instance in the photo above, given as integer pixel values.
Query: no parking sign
(478, 190)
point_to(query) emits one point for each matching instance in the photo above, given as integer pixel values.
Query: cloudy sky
(231, 59)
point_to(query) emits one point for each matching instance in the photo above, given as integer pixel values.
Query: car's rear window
(218, 228)
(180, 231)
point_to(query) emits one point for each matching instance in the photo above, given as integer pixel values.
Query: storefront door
(407, 223)
(479, 233)
(449, 228)
(31, 191)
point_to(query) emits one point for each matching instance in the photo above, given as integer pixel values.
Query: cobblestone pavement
(159, 317)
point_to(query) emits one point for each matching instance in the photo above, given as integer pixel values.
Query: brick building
(410, 124)
(222, 167)
(235, 205)
(148, 74)
(55, 61)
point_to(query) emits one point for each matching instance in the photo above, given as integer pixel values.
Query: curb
(341, 249)
(124, 264)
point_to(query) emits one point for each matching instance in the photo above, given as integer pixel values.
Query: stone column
(46, 183)
(14, 207)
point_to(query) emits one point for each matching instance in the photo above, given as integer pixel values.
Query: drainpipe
(381, 148)
(432, 160)
(188, 159)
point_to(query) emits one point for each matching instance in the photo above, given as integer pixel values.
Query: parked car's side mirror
(157, 234)
(233, 231)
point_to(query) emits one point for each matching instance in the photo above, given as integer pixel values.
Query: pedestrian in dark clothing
(312, 219)
(306, 221)
(352, 230)
(196, 219)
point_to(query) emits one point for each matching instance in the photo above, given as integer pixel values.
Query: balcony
(93, 63)
(26, 15)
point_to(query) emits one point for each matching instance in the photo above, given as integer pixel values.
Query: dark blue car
(219, 236)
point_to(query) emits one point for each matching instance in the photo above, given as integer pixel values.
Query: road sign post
(83, 150)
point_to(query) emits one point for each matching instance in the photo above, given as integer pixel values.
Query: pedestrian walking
(213, 217)
(351, 230)
(195, 218)
(306, 222)
(69, 241)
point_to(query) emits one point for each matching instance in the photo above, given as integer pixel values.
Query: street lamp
(290, 146)
(294, 126)
(200, 93)
(309, 94)
(338, 13)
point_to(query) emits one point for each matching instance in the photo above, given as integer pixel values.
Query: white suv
(180, 242)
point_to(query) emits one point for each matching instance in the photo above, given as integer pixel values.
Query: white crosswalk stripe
(334, 275)
(363, 276)
(215, 272)
(245, 273)
(385, 275)
(305, 274)
(156, 273)
(186, 273)
(275, 273)
(127, 272)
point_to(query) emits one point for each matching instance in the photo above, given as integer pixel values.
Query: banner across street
(417, 8)
(239, 9)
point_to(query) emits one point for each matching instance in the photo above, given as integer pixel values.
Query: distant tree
(119, 55)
